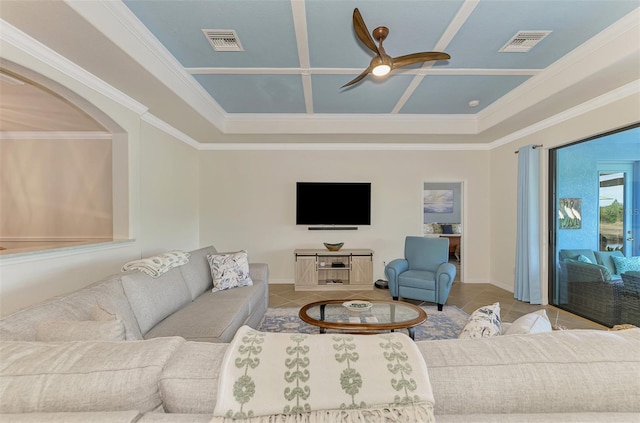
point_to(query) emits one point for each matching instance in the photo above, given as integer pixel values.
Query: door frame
(463, 218)
(626, 167)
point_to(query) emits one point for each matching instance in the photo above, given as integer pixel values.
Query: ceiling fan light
(381, 70)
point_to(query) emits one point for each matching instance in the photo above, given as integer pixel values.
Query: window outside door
(615, 208)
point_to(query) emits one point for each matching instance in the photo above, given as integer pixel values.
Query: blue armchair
(425, 273)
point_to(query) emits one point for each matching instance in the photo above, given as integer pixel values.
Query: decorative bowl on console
(333, 247)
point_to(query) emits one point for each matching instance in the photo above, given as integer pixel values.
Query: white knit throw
(287, 378)
(157, 265)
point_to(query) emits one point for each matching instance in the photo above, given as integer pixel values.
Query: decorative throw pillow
(428, 228)
(626, 264)
(584, 259)
(483, 323)
(447, 229)
(229, 270)
(457, 228)
(535, 322)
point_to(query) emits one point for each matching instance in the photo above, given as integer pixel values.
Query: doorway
(442, 216)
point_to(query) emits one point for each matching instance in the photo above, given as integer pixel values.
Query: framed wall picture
(570, 213)
(438, 201)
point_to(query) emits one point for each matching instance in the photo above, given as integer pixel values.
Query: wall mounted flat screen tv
(333, 203)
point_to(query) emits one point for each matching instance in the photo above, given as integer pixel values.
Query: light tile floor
(467, 297)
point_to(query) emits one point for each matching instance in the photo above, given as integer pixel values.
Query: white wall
(169, 193)
(503, 181)
(162, 197)
(247, 201)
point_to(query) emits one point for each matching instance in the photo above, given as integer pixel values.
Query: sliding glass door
(593, 216)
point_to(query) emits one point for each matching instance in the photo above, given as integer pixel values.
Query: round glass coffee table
(381, 316)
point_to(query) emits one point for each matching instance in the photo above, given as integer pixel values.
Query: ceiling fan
(382, 63)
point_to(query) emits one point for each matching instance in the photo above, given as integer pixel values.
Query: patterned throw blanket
(157, 265)
(286, 378)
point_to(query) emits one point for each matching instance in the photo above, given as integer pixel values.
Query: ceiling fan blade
(358, 78)
(362, 32)
(410, 59)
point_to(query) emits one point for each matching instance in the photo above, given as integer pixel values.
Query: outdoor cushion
(605, 258)
(574, 253)
(626, 264)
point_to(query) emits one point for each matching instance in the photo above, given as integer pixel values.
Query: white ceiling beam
(302, 41)
(456, 23)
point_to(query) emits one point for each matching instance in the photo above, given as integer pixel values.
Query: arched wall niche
(64, 168)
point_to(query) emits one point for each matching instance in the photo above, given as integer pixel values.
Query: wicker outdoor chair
(590, 295)
(630, 298)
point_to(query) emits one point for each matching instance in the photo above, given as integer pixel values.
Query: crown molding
(55, 135)
(617, 36)
(342, 147)
(627, 90)
(170, 130)
(23, 42)
(351, 124)
(119, 24)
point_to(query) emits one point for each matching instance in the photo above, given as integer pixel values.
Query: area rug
(445, 324)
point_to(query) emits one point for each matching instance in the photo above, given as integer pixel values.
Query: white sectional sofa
(163, 371)
(180, 302)
(564, 376)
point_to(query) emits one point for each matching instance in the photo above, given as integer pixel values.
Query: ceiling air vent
(223, 39)
(523, 41)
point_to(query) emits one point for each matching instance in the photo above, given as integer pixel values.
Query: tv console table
(324, 270)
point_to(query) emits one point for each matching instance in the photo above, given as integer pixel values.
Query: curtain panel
(528, 284)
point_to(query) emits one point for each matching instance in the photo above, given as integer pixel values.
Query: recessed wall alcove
(63, 167)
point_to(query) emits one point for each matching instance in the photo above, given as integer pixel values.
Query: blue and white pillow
(483, 323)
(626, 264)
(229, 270)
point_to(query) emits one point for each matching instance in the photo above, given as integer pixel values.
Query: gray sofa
(178, 303)
(565, 376)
